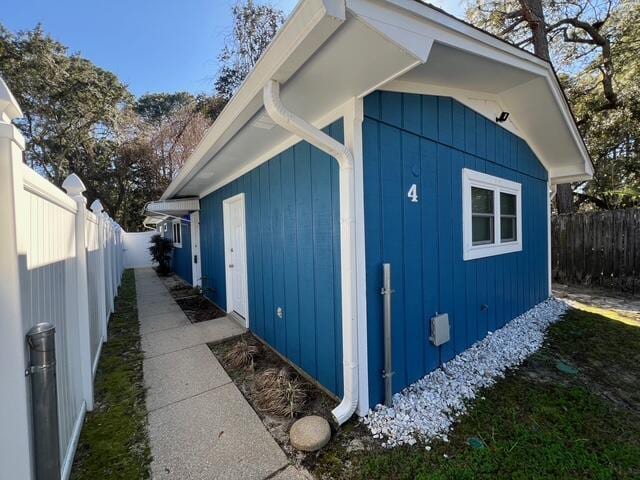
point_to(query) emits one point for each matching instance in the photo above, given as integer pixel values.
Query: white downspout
(294, 124)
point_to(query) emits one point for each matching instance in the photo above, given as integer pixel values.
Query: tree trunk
(534, 15)
(564, 198)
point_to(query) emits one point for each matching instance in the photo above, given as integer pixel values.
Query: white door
(196, 260)
(236, 256)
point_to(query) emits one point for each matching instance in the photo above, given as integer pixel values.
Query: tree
(79, 118)
(173, 125)
(69, 104)
(254, 26)
(582, 38)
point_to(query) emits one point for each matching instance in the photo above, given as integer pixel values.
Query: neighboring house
(439, 148)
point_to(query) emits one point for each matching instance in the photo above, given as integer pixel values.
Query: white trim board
(227, 258)
(472, 178)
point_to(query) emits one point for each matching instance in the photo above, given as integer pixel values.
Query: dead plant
(240, 355)
(279, 392)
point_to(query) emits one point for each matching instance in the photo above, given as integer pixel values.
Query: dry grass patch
(279, 392)
(240, 356)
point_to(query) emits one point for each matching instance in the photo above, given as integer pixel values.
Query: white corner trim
(551, 191)
(472, 178)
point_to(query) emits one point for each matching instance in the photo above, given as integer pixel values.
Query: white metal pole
(75, 188)
(15, 444)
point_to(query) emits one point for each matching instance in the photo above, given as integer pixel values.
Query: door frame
(227, 241)
(196, 266)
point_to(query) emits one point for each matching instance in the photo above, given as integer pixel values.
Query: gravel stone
(427, 409)
(310, 433)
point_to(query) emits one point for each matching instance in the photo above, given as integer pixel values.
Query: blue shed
(374, 133)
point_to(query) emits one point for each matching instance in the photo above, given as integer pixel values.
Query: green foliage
(114, 442)
(78, 119)
(254, 25)
(160, 251)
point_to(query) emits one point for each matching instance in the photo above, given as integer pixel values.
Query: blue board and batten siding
(293, 255)
(181, 260)
(428, 140)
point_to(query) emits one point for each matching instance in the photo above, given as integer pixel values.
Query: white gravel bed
(427, 409)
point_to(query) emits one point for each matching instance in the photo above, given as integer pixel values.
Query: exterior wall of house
(293, 256)
(428, 140)
(182, 256)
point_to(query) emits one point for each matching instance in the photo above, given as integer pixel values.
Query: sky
(152, 46)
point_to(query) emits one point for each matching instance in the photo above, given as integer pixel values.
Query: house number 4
(413, 193)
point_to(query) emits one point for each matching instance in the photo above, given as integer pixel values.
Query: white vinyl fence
(60, 263)
(136, 249)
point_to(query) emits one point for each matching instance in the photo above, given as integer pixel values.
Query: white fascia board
(182, 204)
(311, 23)
(412, 16)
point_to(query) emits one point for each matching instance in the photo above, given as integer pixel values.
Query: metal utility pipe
(44, 400)
(387, 374)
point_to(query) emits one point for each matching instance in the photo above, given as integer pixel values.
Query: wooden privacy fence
(60, 263)
(597, 248)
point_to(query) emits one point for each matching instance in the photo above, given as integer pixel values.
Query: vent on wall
(440, 329)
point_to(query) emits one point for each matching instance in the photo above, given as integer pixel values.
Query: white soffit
(177, 207)
(355, 61)
(488, 75)
(330, 51)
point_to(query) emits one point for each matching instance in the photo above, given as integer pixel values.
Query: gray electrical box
(440, 329)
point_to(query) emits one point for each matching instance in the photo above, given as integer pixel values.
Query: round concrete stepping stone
(310, 433)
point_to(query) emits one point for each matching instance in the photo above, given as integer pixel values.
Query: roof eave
(309, 26)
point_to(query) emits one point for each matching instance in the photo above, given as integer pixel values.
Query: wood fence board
(600, 248)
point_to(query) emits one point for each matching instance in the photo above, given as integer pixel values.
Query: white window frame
(176, 223)
(472, 178)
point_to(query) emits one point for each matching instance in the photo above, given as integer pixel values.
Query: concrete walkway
(200, 425)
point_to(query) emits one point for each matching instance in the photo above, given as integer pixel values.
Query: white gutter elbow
(316, 137)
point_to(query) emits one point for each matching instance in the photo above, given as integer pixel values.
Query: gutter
(303, 129)
(310, 24)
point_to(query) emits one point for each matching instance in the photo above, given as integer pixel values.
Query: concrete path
(200, 425)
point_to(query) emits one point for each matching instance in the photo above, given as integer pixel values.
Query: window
(177, 234)
(492, 215)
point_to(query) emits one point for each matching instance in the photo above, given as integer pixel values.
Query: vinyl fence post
(107, 263)
(75, 188)
(96, 208)
(15, 443)
(114, 257)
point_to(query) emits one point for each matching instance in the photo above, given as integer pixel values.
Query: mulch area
(317, 402)
(193, 303)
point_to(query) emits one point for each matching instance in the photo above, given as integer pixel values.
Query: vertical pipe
(387, 374)
(44, 401)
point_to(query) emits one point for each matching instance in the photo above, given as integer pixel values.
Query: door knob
(231, 265)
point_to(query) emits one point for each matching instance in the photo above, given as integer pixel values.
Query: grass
(114, 442)
(536, 423)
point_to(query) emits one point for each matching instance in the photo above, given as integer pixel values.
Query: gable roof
(329, 51)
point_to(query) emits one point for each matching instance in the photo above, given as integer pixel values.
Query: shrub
(160, 251)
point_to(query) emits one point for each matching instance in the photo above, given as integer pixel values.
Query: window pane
(481, 200)
(507, 204)
(481, 230)
(508, 229)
